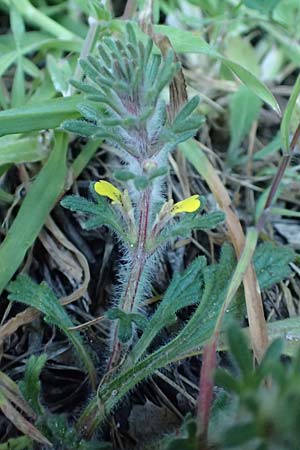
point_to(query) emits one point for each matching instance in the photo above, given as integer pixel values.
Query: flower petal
(107, 189)
(190, 204)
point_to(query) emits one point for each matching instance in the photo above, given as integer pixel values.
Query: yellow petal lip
(107, 189)
(190, 204)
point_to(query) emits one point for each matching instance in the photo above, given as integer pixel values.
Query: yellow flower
(107, 189)
(189, 204)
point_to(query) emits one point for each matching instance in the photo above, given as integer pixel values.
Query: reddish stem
(206, 384)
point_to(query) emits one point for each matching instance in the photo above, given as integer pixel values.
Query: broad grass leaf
(42, 195)
(240, 51)
(244, 109)
(17, 150)
(39, 116)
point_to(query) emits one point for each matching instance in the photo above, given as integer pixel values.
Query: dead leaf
(10, 395)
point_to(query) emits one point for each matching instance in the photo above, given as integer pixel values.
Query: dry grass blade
(10, 395)
(50, 224)
(13, 324)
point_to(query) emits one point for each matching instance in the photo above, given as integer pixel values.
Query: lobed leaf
(100, 213)
(271, 264)
(184, 289)
(188, 223)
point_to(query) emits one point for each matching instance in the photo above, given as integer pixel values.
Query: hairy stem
(130, 298)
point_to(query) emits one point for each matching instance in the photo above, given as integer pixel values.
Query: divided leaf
(271, 264)
(188, 223)
(125, 322)
(99, 214)
(184, 290)
(194, 335)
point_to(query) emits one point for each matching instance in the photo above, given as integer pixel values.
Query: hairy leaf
(189, 222)
(194, 334)
(184, 290)
(271, 264)
(99, 214)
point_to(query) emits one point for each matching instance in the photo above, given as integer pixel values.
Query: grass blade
(39, 116)
(41, 197)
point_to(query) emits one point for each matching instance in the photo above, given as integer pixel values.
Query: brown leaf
(20, 422)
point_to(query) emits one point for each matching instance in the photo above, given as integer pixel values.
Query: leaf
(239, 348)
(244, 109)
(185, 289)
(188, 42)
(16, 150)
(226, 380)
(269, 149)
(81, 127)
(17, 25)
(60, 73)
(40, 116)
(40, 199)
(263, 6)
(285, 127)
(19, 443)
(64, 435)
(272, 355)
(41, 297)
(252, 83)
(188, 223)
(123, 175)
(271, 264)
(18, 87)
(189, 438)
(184, 41)
(14, 407)
(38, 18)
(99, 214)
(240, 51)
(191, 42)
(126, 321)
(240, 434)
(196, 332)
(30, 385)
